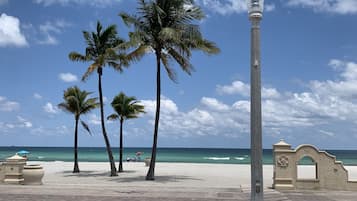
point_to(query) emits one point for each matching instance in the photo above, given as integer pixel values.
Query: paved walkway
(110, 193)
(106, 193)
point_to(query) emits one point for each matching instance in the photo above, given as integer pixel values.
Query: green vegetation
(166, 27)
(125, 108)
(77, 103)
(102, 50)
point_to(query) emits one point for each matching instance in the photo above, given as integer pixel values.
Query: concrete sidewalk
(106, 193)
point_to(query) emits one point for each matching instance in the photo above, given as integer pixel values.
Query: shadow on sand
(128, 176)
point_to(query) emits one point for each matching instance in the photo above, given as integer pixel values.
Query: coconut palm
(104, 48)
(125, 108)
(77, 102)
(166, 27)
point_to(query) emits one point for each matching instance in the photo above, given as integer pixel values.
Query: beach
(174, 181)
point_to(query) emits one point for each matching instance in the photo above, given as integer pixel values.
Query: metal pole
(256, 113)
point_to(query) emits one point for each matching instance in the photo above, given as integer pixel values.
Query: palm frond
(86, 127)
(165, 59)
(90, 70)
(75, 56)
(138, 53)
(181, 60)
(113, 117)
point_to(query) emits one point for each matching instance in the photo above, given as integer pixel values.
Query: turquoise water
(182, 155)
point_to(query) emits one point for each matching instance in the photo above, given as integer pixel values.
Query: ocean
(180, 155)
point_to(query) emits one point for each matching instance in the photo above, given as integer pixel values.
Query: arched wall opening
(307, 168)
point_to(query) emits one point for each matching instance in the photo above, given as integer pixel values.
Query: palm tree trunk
(151, 173)
(76, 168)
(113, 171)
(121, 146)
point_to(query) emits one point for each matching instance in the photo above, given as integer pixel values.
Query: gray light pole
(255, 9)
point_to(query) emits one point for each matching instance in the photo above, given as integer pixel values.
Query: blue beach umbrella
(23, 152)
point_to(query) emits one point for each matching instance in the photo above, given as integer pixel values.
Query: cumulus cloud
(8, 106)
(67, 77)
(329, 6)
(214, 119)
(227, 7)
(50, 29)
(167, 106)
(214, 104)
(10, 33)
(49, 108)
(320, 105)
(243, 89)
(95, 3)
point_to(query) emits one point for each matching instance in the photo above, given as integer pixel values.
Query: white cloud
(345, 87)
(227, 7)
(94, 119)
(328, 133)
(49, 108)
(237, 87)
(95, 3)
(50, 29)
(67, 77)
(20, 122)
(51, 131)
(330, 6)
(23, 122)
(214, 104)
(8, 106)
(37, 96)
(167, 106)
(215, 119)
(243, 89)
(10, 33)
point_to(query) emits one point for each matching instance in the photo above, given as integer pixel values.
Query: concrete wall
(2, 172)
(330, 174)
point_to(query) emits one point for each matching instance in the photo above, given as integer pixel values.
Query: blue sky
(309, 75)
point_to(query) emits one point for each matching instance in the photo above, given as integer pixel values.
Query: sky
(309, 76)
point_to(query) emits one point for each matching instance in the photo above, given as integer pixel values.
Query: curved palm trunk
(120, 169)
(151, 173)
(113, 171)
(76, 168)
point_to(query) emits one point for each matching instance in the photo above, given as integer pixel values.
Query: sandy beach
(174, 181)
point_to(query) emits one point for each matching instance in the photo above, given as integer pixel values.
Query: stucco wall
(330, 174)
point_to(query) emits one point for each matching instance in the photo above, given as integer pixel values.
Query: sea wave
(239, 158)
(217, 158)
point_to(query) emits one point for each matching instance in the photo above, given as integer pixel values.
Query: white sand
(167, 174)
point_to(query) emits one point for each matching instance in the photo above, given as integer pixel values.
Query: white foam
(217, 158)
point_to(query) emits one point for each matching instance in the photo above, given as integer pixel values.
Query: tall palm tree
(166, 27)
(125, 108)
(77, 102)
(104, 48)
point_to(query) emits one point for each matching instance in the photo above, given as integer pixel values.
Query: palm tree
(103, 47)
(166, 27)
(77, 103)
(125, 108)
